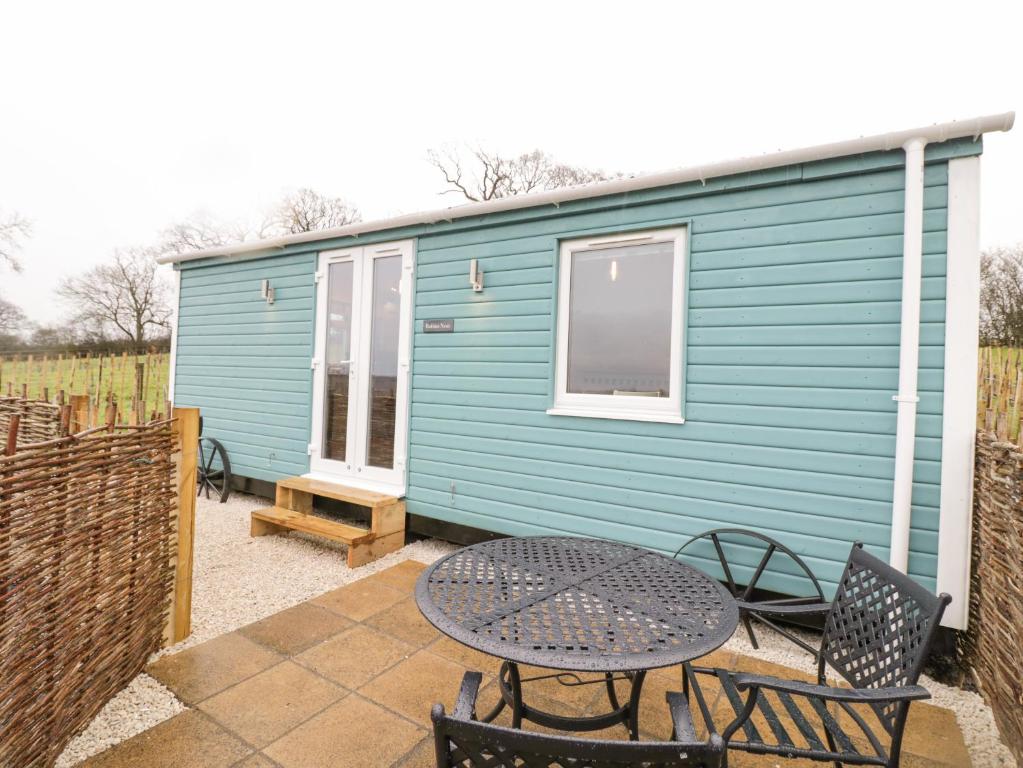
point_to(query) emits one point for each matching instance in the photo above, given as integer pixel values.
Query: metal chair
(462, 741)
(877, 634)
(755, 547)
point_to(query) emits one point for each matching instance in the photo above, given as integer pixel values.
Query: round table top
(576, 604)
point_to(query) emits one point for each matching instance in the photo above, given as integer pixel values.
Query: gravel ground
(140, 706)
(238, 580)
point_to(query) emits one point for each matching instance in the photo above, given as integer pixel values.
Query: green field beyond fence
(120, 377)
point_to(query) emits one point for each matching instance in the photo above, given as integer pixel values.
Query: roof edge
(938, 132)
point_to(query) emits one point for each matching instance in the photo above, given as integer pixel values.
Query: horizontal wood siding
(791, 363)
(792, 342)
(245, 363)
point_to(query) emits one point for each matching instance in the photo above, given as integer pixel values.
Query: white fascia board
(175, 319)
(959, 412)
(880, 143)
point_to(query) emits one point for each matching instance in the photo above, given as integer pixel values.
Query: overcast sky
(117, 119)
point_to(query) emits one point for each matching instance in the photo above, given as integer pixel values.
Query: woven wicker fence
(993, 646)
(38, 419)
(91, 532)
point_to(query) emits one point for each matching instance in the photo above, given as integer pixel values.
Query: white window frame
(663, 409)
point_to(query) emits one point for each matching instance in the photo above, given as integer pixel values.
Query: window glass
(383, 373)
(339, 353)
(619, 328)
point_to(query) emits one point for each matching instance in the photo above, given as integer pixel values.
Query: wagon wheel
(745, 595)
(213, 469)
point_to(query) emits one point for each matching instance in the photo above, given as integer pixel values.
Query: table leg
(510, 683)
(492, 714)
(516, 689)
(612, 695)
(637, 689)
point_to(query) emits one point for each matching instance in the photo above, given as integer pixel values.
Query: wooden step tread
(327, 490)
(328, 529)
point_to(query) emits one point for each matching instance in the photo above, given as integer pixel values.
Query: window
(620, 327)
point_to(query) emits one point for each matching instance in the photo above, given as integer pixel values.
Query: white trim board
(959, 414)
(175, 318)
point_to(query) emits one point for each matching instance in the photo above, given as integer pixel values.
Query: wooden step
(293, 512)
(329, 490)
(273, 519)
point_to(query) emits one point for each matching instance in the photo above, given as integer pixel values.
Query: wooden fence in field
(96, 533)
(25, 420)
(1000, 391)
(136, 384)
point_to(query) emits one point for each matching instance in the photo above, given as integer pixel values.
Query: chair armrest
(809, 609)
(681, 719)
(465, 705)
(744, 680)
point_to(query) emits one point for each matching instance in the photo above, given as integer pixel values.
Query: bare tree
(478, 174)
(1001, 295)
(12, 319)
(304, 211)
(125, 296)
(307, 211)
(199, 232)
(52, 336)
(13, 229)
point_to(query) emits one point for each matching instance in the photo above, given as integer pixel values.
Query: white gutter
(909, 352)
(882, 142)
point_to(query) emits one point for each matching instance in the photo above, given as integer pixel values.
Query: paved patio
(348, 679)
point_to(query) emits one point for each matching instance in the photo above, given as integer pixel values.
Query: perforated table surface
(576, 604)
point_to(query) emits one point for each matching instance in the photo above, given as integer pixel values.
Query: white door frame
(355, 470)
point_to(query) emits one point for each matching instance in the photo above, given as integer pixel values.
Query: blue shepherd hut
(785, 342)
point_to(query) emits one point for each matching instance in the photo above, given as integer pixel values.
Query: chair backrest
(879, 629)
(472, 744)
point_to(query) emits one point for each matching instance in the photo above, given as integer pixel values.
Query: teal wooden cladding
(245, 363)
(791, 360)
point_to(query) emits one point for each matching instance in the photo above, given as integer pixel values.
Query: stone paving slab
(349, 677)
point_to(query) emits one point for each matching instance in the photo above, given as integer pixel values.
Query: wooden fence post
(186, 437)
(79, 413)
(139, 407)
(12, 434)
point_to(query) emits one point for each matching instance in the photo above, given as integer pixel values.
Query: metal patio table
(579, 605)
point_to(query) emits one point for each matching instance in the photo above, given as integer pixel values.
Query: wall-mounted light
(614, 270)
(475, 276)
(267, 292)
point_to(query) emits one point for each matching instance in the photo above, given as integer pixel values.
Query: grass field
(96, 375)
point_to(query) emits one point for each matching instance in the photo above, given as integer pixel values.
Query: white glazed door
(361, 366)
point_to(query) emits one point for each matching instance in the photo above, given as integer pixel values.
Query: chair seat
(786, 725)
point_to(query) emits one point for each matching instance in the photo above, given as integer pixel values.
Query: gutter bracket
(906, 398)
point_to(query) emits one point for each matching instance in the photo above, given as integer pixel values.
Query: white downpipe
(909, 351)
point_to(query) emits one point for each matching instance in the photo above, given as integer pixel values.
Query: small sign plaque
(439, 326)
